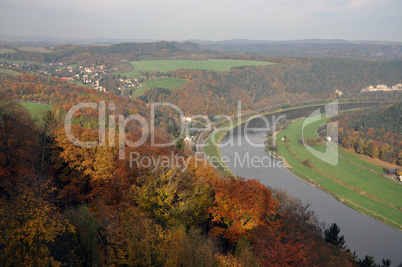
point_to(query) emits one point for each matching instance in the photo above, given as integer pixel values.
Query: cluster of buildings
(129, 83)
(87, 75)
(9, 65)
(382, 88)
(96, 77)
(193, 125)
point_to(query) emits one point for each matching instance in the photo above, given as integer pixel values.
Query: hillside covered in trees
(80, 206)
(309, 48)
(375, 133)
(259, 86)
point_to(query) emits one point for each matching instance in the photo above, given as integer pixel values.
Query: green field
(7, 50)
(11, 72)
(132, 74)
(74, 65)
(35, 109)
(212, 64)
(168, 83)
(357, 187)
(20, 62)
(34, 49)
(79, 83)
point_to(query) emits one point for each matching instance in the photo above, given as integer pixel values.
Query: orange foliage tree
(240, 206)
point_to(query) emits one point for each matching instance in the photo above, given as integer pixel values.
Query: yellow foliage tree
(29, 222)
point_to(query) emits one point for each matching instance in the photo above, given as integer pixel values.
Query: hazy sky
(205, 19)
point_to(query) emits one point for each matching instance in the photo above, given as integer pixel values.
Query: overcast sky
(204, 19)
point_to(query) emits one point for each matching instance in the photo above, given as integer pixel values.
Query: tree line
(376, 133)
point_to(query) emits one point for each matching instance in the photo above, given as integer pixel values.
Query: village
(97, 77)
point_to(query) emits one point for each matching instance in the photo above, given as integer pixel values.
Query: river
(363, 234)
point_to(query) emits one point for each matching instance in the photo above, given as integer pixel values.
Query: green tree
(385, 263)
(368, 261)
(47, 125)
(332, 236)
(307, 163)
(180, 143)
(80, 247)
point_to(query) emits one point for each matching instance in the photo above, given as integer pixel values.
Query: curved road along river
(363, 234)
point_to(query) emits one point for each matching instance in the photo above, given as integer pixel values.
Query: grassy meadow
(212, 64)
(35, 109)
(4, 50)
(11, 72)
(20, 62)
(211, 150)
(34, 49)
(132, 74)
(168, 83)
(357, 187)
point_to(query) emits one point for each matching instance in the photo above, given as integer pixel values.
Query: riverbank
(208, 141)
(210, 145)
(364, 200)
(356, 187)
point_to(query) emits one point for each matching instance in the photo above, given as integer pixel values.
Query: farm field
(168, 83)
(7, 50)
(357, 187)
(374, 164)
(34, 109)
(212, 64)
(17, 61)
(132, 74)
(34, 49)
(78, 83)
(11, 72)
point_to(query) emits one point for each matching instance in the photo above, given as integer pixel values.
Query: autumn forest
(66, 205)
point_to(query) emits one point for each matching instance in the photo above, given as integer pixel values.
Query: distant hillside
(114, 53)
(287, 48)
(316, 78)
(136, 48)
(39, 40)
(310, 48)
